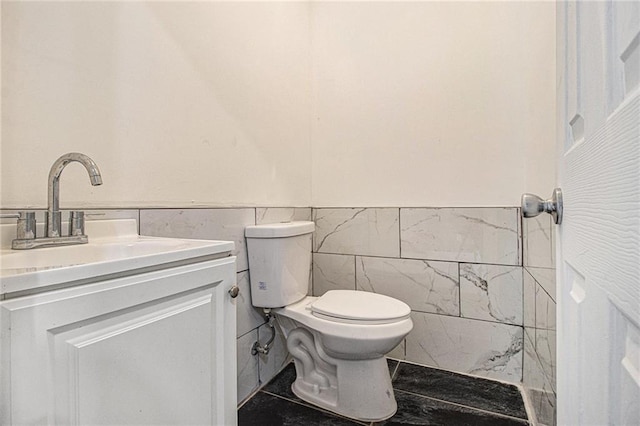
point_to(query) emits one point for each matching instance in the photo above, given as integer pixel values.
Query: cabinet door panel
(150, 366)
(135, 350)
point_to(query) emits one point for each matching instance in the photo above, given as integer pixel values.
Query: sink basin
(114, 248)
(47, 258)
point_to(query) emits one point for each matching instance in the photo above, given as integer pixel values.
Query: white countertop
(114, 248)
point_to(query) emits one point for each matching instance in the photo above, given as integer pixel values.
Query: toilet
(338, 340)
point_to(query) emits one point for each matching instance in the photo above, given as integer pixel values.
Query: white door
(599, 240)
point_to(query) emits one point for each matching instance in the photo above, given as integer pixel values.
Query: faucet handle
(76, 223)
(26, 225)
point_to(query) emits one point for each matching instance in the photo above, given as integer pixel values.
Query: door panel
(599, 240)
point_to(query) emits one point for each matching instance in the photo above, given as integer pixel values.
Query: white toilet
(338, 340)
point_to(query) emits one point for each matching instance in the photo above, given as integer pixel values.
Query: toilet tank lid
(279, 230)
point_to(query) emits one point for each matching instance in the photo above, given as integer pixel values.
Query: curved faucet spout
(54, 222)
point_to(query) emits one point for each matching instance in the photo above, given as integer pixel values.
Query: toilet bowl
(339, 360)
(338, 340)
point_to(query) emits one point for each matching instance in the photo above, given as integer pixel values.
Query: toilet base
(358, 389)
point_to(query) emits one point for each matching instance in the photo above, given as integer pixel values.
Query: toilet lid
(359, 306)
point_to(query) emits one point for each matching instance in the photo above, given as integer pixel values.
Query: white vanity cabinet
(154, 348)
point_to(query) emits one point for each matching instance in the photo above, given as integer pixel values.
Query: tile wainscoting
(475, 308)
(539, 376)
(459, 269)
(229, 224)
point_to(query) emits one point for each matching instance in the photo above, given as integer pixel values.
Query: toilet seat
(359, 307)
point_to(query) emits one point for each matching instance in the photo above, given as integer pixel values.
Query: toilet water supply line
(264, 349)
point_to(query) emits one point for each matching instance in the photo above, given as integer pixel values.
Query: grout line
(422, 259)
(467, 318)
(459, 290)
(538, 282)
(355, 272)
(400, 233)
(524, 307)
(520, 236)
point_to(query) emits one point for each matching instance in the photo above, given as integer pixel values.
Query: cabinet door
(156, 348)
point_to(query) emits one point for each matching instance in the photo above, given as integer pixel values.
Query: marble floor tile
(417, 410)
(471, 391)
(269, 410)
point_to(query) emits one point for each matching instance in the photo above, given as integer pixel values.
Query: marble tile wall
(459, 269)
(539, 377)
(220, 224)
(229, 224)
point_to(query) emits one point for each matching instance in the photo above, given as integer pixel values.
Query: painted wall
(432, 103)
(180, 104)
(279, 103)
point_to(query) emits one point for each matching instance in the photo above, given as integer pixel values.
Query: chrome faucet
(26, 232)
(54, 219)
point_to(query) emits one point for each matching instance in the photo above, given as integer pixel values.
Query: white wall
(432, 103)
(179, 103)
(279, 103)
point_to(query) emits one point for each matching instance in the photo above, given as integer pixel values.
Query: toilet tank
(279, 262)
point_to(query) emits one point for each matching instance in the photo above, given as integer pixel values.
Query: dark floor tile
(281, 383)
(417, 410)
(470, 391)
(268, 410)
